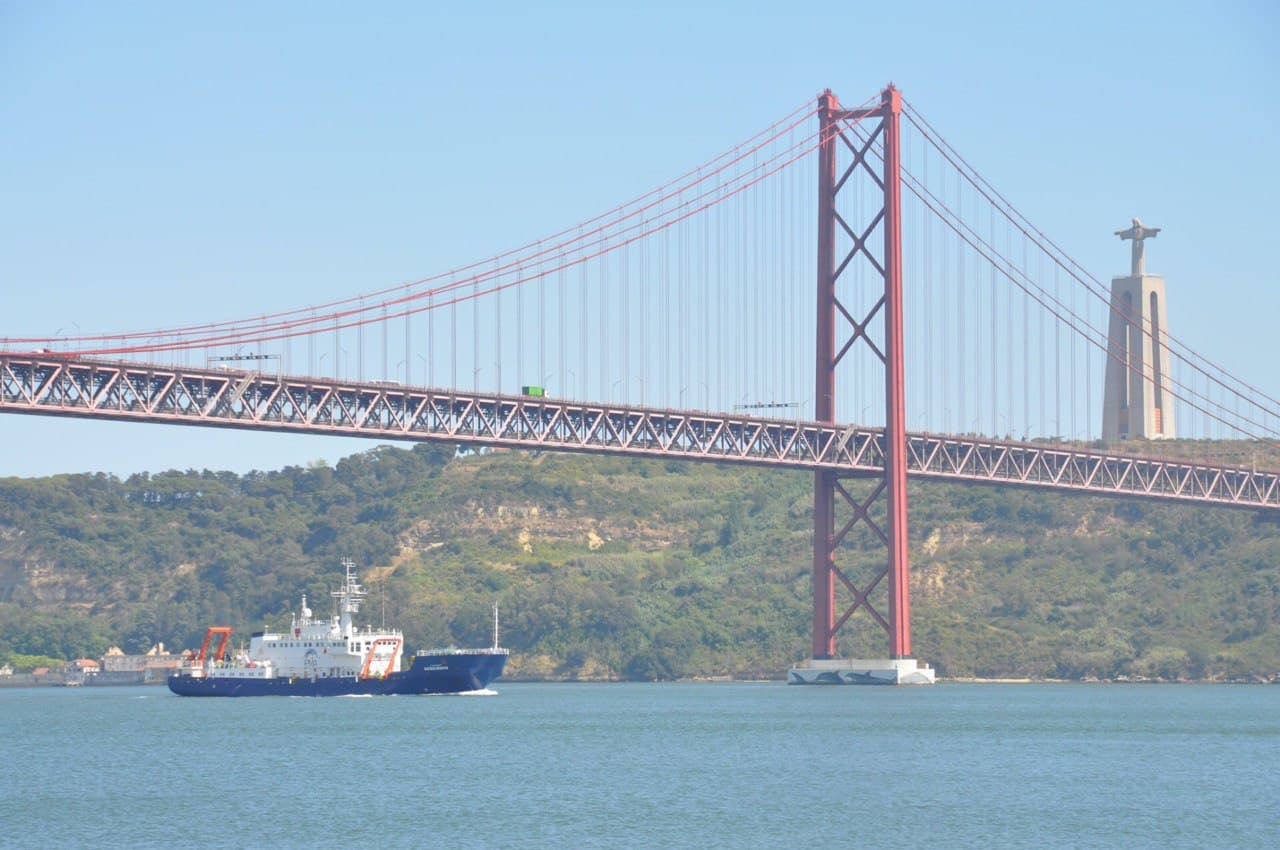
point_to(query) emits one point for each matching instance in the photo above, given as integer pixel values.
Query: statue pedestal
(1137, 398)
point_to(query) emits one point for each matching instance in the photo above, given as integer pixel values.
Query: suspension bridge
(953, 340)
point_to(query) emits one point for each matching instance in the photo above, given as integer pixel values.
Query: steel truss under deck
(52, 385)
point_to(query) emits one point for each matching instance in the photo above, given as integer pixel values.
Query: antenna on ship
(495, 625)
(348, 596)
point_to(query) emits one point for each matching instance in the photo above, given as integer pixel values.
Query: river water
(632, 765)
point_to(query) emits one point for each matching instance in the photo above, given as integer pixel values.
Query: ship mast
(348, 596)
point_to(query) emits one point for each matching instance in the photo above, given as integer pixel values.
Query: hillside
(631, 569)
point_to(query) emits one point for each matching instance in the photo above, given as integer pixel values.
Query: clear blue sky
(168, 163)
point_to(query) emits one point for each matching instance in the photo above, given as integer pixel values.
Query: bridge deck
(55, 385)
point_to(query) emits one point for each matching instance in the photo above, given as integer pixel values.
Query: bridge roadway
(50, 384)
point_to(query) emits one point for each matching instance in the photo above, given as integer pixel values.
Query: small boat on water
(332, 657)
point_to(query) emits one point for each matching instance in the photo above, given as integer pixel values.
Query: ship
(321, 656)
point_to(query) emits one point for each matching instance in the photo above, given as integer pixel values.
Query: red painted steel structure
(66, 386)
(893, 486)
(824, 480)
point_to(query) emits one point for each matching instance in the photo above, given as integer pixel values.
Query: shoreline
(23, 681)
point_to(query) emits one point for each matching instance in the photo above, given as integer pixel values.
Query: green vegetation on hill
(632, 568)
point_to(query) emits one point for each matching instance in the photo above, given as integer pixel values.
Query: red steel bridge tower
(883, 510)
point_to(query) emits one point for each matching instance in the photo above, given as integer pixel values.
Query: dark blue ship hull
(429, 674)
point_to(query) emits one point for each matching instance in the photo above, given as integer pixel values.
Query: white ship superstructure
(317, 647)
